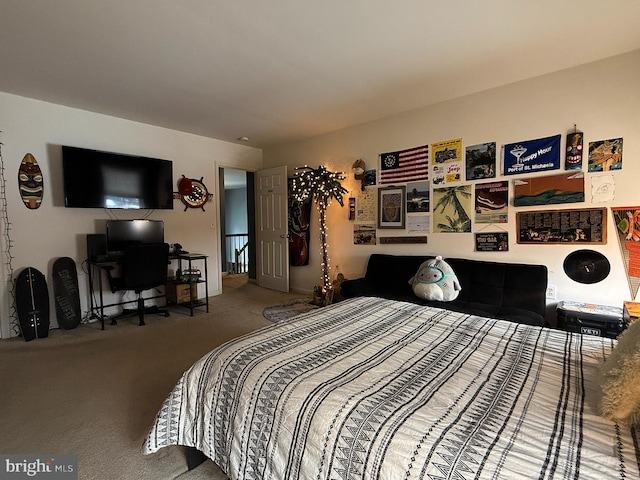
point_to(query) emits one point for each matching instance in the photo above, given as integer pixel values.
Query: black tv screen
(96, 179)
(121, 233)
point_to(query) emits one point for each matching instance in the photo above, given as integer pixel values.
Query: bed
(371, 388)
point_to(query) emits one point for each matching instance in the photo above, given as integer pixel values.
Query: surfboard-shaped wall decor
(30, 182)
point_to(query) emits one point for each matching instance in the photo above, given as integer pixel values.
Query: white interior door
(272, 229)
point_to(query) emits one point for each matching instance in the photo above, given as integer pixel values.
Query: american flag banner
(405, 165)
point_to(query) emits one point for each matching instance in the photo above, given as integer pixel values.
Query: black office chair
(143, 267)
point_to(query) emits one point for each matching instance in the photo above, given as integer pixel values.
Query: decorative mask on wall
(30, 182)
(573, 159)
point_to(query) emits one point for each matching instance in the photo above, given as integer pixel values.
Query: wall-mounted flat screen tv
(96, 179)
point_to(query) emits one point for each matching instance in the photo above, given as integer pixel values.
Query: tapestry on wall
(404, 166)
(551, 189)
(299, 221)
(627, 220)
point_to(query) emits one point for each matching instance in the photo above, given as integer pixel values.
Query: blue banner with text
(532, 156)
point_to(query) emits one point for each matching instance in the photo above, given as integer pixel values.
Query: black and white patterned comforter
(376, 389)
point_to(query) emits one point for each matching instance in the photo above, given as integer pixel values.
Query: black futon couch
(508, 291)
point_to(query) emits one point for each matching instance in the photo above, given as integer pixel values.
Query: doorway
(237, 231)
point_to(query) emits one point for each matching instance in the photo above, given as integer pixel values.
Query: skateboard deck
(30, 182)
(66, 293)
(32, 304)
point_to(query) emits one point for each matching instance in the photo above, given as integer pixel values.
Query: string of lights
(322, 186)
(7, 244)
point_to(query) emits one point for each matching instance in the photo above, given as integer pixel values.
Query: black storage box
(600, 320)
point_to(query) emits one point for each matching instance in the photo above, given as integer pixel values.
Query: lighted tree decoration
(322, 186)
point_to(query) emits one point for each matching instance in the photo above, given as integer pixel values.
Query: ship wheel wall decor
(198, 196)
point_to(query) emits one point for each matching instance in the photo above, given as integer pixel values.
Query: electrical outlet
(551, 292)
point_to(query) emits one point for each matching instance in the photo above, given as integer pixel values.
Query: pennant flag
(405, 166)
(627, 220)
(532, 156)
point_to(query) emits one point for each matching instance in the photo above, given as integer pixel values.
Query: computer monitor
(121, 233)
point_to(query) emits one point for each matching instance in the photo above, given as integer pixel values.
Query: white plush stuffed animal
(435, 280)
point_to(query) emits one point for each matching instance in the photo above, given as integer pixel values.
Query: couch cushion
(390, 274)
(513, 285)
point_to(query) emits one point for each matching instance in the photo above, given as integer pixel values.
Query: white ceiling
(281, 70)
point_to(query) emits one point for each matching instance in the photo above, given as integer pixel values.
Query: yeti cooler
(591, 319)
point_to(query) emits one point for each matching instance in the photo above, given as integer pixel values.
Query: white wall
(40, 236)
(602, 99)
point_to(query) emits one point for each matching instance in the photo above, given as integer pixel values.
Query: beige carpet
(95, 393)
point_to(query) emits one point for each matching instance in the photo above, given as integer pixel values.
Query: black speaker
(96, 245)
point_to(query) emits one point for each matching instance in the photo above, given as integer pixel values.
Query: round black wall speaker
(586, 266)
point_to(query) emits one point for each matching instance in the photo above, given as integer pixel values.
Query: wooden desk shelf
(187, 296)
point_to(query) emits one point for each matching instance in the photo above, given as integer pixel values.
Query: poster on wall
(605, 155)
(417, 197)
(492, 242)
(627, 221)
(492, 202)
(551, 189)
(480, 161)
(452, 209)
(418, 223)
(299, 221)
(579, 226)
(369, 178)
(531, 156)
(603, 189)
(364, 234)
(366, 205)
(446, 162)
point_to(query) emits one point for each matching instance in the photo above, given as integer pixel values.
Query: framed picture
(391, 207)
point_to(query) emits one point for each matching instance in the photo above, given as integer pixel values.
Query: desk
(97, 307)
